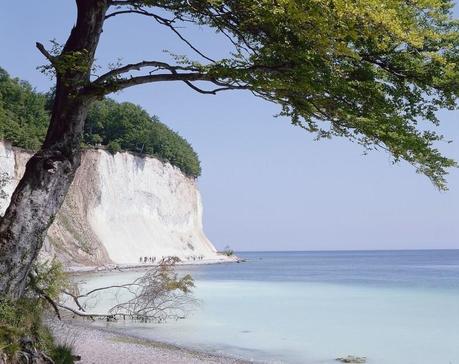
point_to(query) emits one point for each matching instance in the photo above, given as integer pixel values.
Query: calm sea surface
(393, 307)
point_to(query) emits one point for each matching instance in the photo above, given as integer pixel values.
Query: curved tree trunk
(49, 173)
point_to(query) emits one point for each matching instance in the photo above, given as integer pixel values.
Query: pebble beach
(99, 346)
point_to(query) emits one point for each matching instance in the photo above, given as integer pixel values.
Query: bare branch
(128, 285)
(139, 80)
(83, 314)
(75, 299)
(138, 66)
(215, 91)
(120, 12)
(43, 51)
(201, 91)
(120, 3)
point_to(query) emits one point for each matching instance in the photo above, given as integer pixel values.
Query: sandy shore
(99, 346)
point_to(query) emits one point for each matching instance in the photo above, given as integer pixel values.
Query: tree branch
(43, 294)
(139, 80)
(127, 285)
(216, 90)
(43, 51)
(187, 78)
(137, 66)
(84, 314)
(111, 82)
(120, 3)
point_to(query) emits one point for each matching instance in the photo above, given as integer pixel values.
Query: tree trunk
(49, 173)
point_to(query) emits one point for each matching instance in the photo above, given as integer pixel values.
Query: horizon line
(340, 250)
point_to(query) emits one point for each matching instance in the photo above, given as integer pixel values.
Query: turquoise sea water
(393, 307)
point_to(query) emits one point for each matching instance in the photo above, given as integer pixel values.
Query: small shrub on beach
(63, 354)
(21, 329)
(228, 251)
(49, 278)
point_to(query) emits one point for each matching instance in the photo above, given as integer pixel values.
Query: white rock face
(12, 164)
(7, 184)
(150, 203)
(119, 209)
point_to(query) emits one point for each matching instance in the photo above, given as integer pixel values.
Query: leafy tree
(368, 70)
(125, 126)
(114, 147)
(23, 117)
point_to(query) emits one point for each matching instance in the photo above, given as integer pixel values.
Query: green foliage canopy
(367, 70)
(24, 120)
(23, 117)
(129, 127)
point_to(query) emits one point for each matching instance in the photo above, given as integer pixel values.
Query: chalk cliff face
(119, 209)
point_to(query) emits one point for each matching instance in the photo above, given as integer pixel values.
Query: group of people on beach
(152, 260)
(195, 257)
(147, 259)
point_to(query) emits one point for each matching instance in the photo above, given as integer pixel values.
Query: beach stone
(351, 359)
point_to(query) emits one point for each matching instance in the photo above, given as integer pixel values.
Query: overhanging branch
(112, 82)
(109, 76)
(109, 86)
(139, 80)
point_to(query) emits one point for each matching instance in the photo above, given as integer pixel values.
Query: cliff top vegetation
(24, 120)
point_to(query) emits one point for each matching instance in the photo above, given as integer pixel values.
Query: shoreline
(100, 345)
(107, 268)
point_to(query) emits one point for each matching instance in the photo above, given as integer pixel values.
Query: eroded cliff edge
(120, 208)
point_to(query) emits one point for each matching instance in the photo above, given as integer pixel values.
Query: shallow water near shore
(393, 307)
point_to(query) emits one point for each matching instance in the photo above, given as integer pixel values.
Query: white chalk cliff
(119, 209)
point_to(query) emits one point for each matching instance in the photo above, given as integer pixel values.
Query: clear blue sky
(266, 185)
